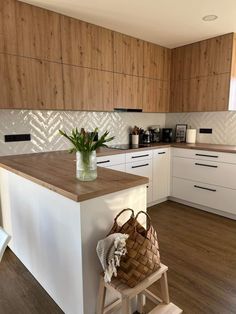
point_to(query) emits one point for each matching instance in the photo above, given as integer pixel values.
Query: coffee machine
(155, 133)
(167, 135)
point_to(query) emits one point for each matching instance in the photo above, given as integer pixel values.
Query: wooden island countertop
(56, 171)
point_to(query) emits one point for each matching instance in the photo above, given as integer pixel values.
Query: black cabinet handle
(203, 188)
(161, 153)
(203, 155)
(144, 165)
(205, 165)
(103, 162)
(146, 155)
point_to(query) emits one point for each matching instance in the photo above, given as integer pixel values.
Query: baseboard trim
(161, 200)
(204, 208)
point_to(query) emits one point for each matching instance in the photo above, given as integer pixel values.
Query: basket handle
(148, 218)
(126, 209)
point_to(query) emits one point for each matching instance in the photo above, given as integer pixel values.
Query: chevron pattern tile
(222, 123)
(44, 126)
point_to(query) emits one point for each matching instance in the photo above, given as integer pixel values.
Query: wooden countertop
(200, 146)
(56, 171)
(209, 147)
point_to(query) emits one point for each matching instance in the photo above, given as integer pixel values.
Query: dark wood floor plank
(19, 292)
(200, 251)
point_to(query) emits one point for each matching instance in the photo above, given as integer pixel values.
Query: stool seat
(141, 291)
(170, 308)
(126, 291)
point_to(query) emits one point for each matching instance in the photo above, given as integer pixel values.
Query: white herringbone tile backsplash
(44, 126)
(222, 123)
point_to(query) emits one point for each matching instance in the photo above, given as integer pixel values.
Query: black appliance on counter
(155, 133)
(167, 135)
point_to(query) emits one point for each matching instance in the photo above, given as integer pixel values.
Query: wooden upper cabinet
(86, 45)
(200, 94)
(156, 61)
(29, 31)
(208, 57)
(87, 89)
(8, 31)
(128, 55)
(127, 91)
(27, 83)
(155, 95)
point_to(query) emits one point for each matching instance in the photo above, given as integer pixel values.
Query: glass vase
(86, 166)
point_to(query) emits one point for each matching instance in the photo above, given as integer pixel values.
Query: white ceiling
(170, 23)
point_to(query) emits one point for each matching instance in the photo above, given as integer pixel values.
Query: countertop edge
(75, 197)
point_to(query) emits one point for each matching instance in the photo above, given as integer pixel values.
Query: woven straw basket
(142, 258)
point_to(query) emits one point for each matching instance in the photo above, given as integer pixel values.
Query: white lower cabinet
(112, 160)
(118, 167)
(142, 167)
(154, 164)
(212, 196)
(213, 172)
(205, 178)
(161, 174)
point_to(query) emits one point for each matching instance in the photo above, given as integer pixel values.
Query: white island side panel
(56, 237)
(46, 236)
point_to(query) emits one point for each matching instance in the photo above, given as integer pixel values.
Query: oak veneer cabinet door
(155, 95)
(27, 83)
(128, 55)
(209, 93)
(156, 61)
(176, 96)
(86, 45)
(127, 91)
(87, 89)
(30, 31)
(208, 57)
(8, 34)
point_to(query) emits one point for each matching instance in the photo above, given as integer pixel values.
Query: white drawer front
(112, 160)
(215, 173)
(140, 168)
(120, 167)
(205, 155)
(204, 194)
(138, 156)
(161, 152)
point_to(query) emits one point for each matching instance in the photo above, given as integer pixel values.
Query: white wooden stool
(141, 290)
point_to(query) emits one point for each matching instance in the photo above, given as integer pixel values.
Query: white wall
(44, 126)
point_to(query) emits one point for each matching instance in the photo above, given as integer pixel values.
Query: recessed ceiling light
(209, 18)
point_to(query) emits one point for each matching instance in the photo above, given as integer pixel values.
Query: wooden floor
(199, 249)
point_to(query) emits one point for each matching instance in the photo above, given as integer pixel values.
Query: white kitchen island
(55, 221)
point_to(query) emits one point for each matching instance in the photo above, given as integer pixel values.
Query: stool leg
(125, 306)
(164, 288)
(101, 297)
(140, 303)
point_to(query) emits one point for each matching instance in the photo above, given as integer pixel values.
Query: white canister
(191, 136)
(135, 139)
